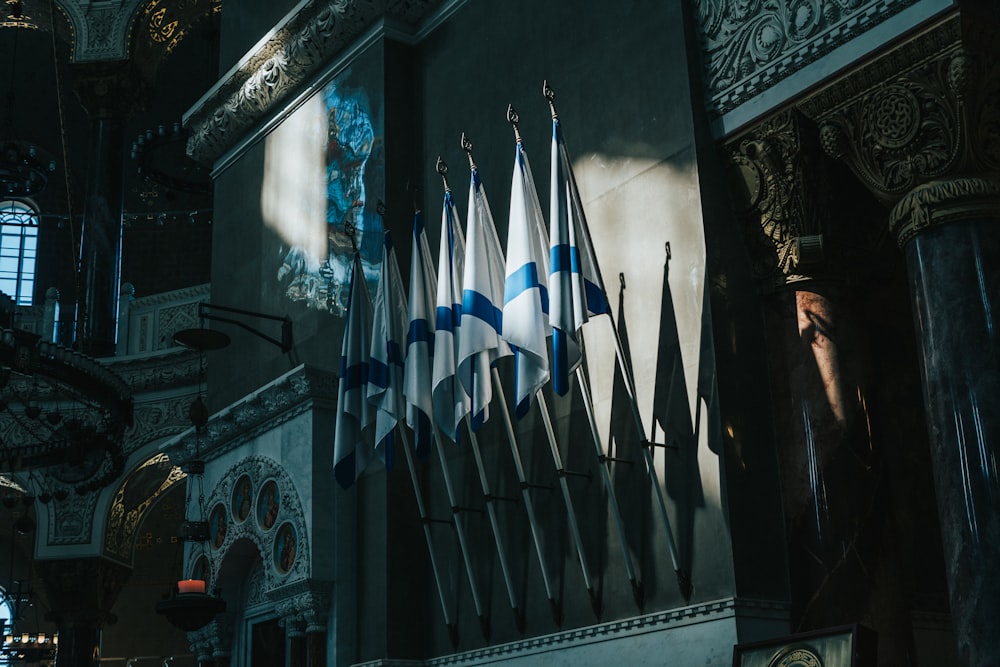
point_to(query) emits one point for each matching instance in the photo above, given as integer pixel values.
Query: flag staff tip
(550, 95)
(412, 189)
(442, 169)
(514, 119)
(467, 147)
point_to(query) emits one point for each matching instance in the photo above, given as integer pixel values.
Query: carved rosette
(785, 192)
(920, 126)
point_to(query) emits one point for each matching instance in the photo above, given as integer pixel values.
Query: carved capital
(786, 191)
(928, 111)
(111, 89)
(82, 591)
(940, 202)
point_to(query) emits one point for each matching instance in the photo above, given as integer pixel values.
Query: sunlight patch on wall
(634, 208)
(293, 194)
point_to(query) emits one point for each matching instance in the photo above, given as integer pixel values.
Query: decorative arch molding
(133, 499)
(163, 385)
(261, 471)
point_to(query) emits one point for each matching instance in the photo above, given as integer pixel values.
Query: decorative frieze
(296, 52)
(748, 46)
(267, 408)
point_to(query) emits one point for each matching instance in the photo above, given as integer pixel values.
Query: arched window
(18, 250)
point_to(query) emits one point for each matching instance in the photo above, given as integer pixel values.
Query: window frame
(18, 246)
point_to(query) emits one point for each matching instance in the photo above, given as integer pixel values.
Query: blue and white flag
(575, 285)
(451, 402)
(385, 371)
(526, 295)
(418, 370)
(352, 446)
(480, 343)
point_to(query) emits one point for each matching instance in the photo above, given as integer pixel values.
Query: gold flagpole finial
(514, 119)
(467, 147)
(442, 169)
(550, 95)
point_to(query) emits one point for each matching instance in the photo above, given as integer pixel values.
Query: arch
(270, 540)
(138, 492)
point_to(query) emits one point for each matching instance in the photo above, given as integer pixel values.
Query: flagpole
(483, 479)
(422, 510)
(514, 120)
(574, 526)
(529, 505)
(616, 514)
(683, 579)
(460, 532)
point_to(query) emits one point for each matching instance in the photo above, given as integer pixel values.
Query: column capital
(82, 591)
(923, 114)
(792, 200)
(112, 89)
(940, 202)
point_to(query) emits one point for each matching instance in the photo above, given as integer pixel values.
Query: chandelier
(23, 171)
(61, 411)
(24, 168)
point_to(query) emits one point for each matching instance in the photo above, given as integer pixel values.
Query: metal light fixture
(24, 167)
(189, 606)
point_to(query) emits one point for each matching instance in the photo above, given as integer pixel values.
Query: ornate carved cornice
(926, 112)
(786, 191)
(750, 45)
(277, 402)
(294, 54)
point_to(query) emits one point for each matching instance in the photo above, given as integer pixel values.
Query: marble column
(295, 641)
(109, 92)
(954, 272)
(918, 127)
(808, 249)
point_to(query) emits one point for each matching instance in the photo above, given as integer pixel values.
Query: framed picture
(285, 548)
(242, 499)
(268, 504)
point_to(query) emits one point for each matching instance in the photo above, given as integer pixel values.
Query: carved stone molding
(790, 197)
(306, 602)
(277, 402)
(927, 111)
(750, 45)
(296, 52)
(940, 202)
(71, 521)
